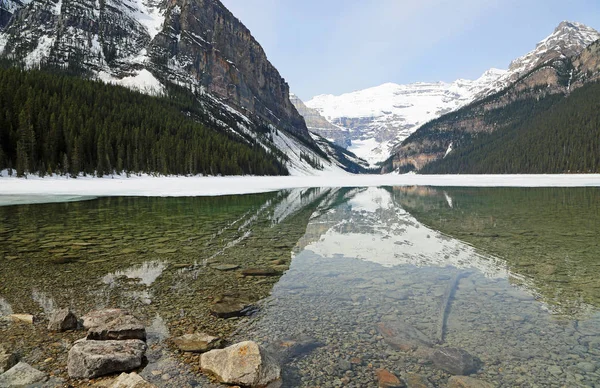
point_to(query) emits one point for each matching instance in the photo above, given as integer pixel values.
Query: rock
(414, 380)
(260, 272)
(62, 320)
(455, 361)
(387, 379)
(27, 318)
(402, 336)
(286, 350)
(226, 267)
(197, 342)
(131, 380)
(555, 370)
(21, 374)
(7, 359)
(231, 308)
(245, 364)
(587, 367)
(467, 382)
(113, 324)
(89, 359)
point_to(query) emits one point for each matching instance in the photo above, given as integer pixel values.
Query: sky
(339, 46)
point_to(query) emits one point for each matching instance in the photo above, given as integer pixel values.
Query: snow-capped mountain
(152, 45)
(378, 118)
(567, 40)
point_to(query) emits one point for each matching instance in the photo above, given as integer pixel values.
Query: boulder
(402, 336)
(20, 375)
(386, 379)
(89, 359)
(7, 359)
(131, 380)
(467, 382)
(245, 363)
(197, 342)
(113, 324)
(455, 361)
(62, 320)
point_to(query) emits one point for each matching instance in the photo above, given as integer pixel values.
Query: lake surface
(508, 275)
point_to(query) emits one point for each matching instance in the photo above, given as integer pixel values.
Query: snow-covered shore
(212, 186)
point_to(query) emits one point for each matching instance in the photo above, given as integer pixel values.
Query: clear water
(526, 263)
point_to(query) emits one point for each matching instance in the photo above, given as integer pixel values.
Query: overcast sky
(338, 46)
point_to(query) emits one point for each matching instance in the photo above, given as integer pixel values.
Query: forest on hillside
(56, 123)
(561, 138)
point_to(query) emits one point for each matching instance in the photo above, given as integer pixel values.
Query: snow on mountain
(380, 117)
(567, 40)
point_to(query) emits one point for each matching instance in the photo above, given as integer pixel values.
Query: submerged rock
(226, 267)
(455, 361)
(229, 306)
(414, 380)
(245, 363)
(20, 375)
(89, 359)
(62, 320)
(197, 342)
(386, 379)
(288, 349)
(260, 272)
(113, 324)
(467, 382)
(131, 380)
(401, 335)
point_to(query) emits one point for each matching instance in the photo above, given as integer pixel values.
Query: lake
(366, 278)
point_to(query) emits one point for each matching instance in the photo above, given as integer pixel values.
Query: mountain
(152, 44)
(373, 120)
(536, 85)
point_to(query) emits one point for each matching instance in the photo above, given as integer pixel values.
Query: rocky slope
(152, 44)
(375, 119)
(565, 60)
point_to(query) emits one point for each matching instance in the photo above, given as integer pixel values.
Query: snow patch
(41, 52)
(148, 15)
(143, 81)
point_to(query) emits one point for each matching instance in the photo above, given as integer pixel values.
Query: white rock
(131, 380)
(244, 364)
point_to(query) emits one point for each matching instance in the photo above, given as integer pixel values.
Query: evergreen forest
(557, 134)
(56, 123)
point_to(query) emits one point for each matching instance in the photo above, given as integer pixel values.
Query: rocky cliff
(148, 44)
(564, 61)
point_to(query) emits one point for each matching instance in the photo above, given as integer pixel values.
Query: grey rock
(62, 320)
(89, 359)
(113, 324)
(231, 308)
(197, 342)
(455, 361)
(587, 367)
(130, 380)
(226, 267)
(21, 374)
(245, 363)
(467, 382)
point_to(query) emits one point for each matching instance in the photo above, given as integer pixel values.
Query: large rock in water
(197, 342)
(89, 359)
(401, 335)
(21, 375)
(455, 361)
(113, 324)
(245, 364)
(62, 320)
